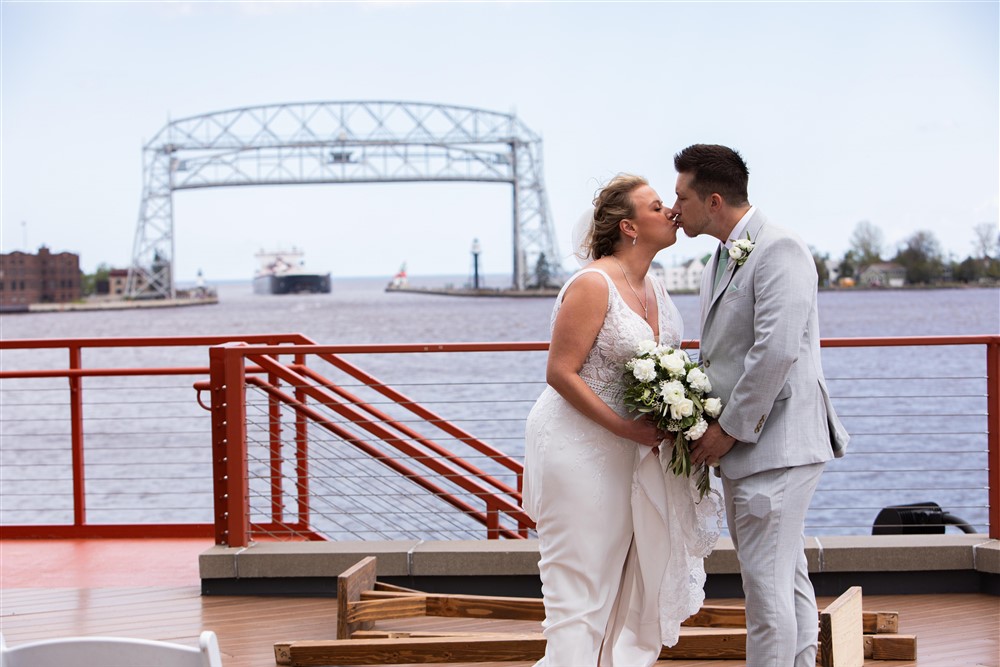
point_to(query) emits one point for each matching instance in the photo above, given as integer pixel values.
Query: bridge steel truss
(339, 142)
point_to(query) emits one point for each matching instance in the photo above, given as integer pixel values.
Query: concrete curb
(480, 558)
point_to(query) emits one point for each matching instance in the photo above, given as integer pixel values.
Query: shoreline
(552, 292)
(548, 292)
(75, 306)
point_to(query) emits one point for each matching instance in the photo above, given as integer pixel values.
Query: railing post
(302, 452)
(274, 449)
(217, 397)
(993, 437)
(76, 439)
(229, 445)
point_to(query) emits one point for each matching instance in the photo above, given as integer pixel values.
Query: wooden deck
(150, 589)
(952, 630)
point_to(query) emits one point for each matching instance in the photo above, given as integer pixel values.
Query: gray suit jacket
(760, 349)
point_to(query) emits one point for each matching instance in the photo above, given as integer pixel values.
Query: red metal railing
(992, 344)
(228, 389)
(238, 363)
(75, 372)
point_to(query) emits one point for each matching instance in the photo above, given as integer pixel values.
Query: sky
(844, 111)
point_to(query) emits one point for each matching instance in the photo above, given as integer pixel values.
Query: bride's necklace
(642, 302)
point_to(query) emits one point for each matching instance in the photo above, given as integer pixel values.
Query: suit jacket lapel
(707, 278)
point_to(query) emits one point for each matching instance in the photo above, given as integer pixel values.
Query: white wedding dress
(621, 540)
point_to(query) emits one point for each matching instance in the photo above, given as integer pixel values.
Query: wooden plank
(471, 606)
(399, 634)
(879, 622)
(841, 639)
(715, 616)
(421, 650)
(377, 610)
(485, 606)
(390, 595)
(350, 584)
(890, 647)
(282, 656)
(382, 586)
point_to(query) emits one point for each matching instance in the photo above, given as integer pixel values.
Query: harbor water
(918, 429)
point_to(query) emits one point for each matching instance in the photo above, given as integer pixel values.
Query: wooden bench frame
(847, 634)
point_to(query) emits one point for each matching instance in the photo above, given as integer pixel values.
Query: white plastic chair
(111, 652)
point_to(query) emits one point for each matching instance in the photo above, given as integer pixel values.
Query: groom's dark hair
(715, 169)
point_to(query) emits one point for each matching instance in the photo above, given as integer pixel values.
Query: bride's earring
(635, 238)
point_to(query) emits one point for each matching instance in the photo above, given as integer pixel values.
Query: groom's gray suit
(760, 349)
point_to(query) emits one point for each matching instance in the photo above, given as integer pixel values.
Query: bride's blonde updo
(612, 205)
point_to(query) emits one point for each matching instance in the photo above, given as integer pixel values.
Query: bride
(621, 541)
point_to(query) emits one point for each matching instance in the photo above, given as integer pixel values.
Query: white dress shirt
(738, 230)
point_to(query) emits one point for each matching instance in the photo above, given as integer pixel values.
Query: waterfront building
(883, 274)
(686, 277)
(45, 277)
(117, 282)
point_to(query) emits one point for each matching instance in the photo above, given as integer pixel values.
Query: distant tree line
(920, 255)
(91, 280)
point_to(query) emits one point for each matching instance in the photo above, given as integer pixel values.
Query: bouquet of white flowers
(663, 382)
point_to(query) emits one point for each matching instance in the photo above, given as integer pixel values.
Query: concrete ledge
(898, 553)
(958, 562)
(475, 558)
(303, 559)
(986, 556)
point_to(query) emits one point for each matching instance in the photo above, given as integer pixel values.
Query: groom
(760, 349)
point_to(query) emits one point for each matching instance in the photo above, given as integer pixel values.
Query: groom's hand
(712, 446)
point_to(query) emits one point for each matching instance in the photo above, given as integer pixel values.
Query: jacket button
(707, 363)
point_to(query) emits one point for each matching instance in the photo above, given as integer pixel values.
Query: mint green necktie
(720, 266)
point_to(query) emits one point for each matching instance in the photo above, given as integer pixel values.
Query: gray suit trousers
(766, 515)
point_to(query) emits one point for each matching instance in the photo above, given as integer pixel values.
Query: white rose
(698, 380)
(672, 391)
(673, 364)
(736, 252)
(644, 370)
(682, 408)
(697, 430)
(645, 347)
(746, 245)
(713, 406)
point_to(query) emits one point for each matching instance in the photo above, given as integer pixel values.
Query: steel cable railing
(126, 450)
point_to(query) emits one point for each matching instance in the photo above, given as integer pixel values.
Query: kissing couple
(622, 539)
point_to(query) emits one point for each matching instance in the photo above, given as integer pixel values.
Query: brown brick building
(43, 278)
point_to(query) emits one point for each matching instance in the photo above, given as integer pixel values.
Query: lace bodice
(619, 336)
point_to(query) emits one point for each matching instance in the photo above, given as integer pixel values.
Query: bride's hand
(642, 431)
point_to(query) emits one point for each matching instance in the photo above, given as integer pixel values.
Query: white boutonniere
(741, 250)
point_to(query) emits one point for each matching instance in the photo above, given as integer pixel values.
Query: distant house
(833, 270)
(686, 277)
(117, 281)
(43, 278)
(882, 274)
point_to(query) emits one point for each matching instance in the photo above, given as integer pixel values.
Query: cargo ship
(284, 272)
